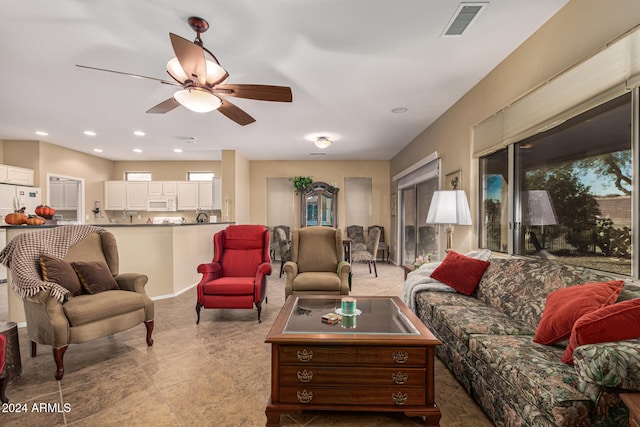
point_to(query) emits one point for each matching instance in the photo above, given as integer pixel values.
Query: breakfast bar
(167, 253)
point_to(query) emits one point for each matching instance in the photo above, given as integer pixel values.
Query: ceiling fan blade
(191, 58)
(235, 113)
(259, 92)
(164, 106)
(138, 76)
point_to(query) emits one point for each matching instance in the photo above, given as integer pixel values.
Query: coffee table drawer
(353, 355)
(318, 375)
(386, 396)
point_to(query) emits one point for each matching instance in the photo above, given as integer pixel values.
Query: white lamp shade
(538, 208)
(198, 100)
(214, 71)
(449, 207)
(175, 69)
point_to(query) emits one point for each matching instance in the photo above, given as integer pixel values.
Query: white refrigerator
(14, 197)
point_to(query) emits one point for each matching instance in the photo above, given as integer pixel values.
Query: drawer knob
(399, 398)
(305, 355)
(400, 377)
(400, 356)
(305, 396)
(305, 376)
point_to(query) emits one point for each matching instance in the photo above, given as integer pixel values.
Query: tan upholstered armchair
(317, 265)
(54, 316)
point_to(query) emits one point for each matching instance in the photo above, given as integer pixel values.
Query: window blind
(603, 76)
(422, 171)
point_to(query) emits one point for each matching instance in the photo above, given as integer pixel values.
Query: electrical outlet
(87, 217)
(139, 216)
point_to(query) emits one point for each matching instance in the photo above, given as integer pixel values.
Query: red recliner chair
(236, 278)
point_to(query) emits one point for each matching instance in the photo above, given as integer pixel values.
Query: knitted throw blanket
(22, 257)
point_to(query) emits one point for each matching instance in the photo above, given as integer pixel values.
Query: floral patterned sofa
(487, 344)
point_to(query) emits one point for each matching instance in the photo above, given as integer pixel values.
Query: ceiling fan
(203, 80)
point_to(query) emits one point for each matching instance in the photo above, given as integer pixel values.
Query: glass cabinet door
(319, 204)
(312, 209)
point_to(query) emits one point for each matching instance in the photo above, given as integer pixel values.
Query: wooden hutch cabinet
(319, 205)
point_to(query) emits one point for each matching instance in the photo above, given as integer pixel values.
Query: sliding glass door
(418, 238)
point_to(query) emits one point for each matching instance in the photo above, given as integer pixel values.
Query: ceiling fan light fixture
(214, 72)
(175, 70)
(322, 142)
(197, 100)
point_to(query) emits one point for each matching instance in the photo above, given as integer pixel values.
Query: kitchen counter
(168, 253)
(108, 225)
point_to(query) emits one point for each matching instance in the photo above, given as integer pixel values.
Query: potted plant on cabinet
(301, 183)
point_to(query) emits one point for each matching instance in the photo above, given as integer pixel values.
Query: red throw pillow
(567, 305)
(615, 322)
(460, 272)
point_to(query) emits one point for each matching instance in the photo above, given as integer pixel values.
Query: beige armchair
(317, 265)
(56, 319)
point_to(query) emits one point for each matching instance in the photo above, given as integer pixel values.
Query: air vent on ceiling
(464, 16)
(187, 139)
(317, 154)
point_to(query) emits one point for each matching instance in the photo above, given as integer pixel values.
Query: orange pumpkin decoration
(35, 220)
(15, 218)
(45, 211)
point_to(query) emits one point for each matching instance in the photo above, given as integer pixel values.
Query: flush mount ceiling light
(90, 133)
(139, 133)
(322, 142)
(41, 133)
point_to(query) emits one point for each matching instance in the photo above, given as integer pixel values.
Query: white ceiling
(348, 62)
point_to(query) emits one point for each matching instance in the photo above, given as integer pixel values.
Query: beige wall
(326, 171)
(581, 28)
(243, 190)
(165, 170)
(228, 185)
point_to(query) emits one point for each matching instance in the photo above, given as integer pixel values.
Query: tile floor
(212, 374)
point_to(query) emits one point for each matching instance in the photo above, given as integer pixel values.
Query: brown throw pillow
(95, 276)
(58, 271)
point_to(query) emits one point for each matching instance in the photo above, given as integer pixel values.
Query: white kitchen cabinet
(115, 195)
(4, 170)
(188, 195)
(163, 188)
(137, 194)
(217, 194)
(63, 195)
(56, 195)
(19, 176)
(205, 195)
(70, 193)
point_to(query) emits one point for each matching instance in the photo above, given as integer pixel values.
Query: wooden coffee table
(381, 360)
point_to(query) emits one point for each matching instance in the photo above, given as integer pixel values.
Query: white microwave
(162, 204)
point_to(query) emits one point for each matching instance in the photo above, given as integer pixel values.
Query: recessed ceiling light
(139, 133)
(137, 150)
(177, 150)
(399, 110)
(90, 133)
(41, 133)
(98, 150)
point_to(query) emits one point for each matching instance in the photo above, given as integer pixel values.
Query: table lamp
(449, 207)
(537, 209)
